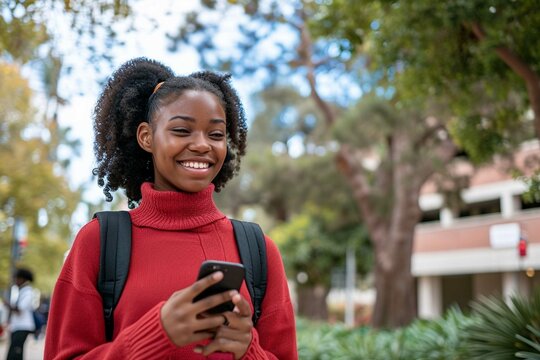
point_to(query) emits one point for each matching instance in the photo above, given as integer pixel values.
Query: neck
(169, 210)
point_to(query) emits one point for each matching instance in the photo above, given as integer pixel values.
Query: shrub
(502, 327)
(440, 339)
(495, 330)
(429, 340)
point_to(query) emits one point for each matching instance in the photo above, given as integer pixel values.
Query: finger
(221, 345)
(230, 333)
(202, 335)
(242, 305)
(200, 285)
(207, 324)
(209, 302)
(243, 324)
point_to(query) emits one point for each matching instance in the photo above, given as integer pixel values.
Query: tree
(33, 171)
(410, 146)
(479, 55)
(407, 139)
(31, 187)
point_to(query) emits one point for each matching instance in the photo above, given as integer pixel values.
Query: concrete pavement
(33, 349)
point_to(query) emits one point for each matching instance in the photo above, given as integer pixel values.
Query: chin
(194, 188)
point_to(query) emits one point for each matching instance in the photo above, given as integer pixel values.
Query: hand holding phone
(233, 275)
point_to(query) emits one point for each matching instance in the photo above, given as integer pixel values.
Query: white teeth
(196, 165)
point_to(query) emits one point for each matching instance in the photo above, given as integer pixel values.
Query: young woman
(170, 142)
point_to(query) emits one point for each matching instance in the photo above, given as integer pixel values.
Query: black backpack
(115, 253)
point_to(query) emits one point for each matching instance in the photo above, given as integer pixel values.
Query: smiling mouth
(195, 164)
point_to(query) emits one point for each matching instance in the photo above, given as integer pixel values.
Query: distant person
(169, 141)
(21, 307)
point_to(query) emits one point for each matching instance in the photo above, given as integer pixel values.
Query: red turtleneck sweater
(172, 233)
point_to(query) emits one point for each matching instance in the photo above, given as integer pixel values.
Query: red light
(23, 241)
(522, 247)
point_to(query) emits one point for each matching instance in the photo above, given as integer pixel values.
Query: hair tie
(157, 87)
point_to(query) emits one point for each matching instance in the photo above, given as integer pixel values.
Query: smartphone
(233, 275)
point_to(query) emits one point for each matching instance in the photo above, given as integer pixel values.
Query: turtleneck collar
(171, 210)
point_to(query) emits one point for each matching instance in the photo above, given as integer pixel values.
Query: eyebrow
(190, 119)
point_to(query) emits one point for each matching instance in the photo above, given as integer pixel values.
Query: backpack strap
(115, 252)
(252, 248)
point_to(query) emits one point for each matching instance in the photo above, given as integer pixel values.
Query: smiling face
(188, 142)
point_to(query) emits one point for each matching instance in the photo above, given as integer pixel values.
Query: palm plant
(534, 342)
(504, 330)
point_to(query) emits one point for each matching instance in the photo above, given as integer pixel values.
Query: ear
(144, 136)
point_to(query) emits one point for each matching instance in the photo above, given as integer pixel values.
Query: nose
(200, 143)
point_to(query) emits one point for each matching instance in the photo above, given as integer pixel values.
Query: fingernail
(197, 349)
(232, 293)
(217, 275)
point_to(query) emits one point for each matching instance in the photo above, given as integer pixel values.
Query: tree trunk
(533, 89)
(312, 302)
(391, 233)
(394, 285)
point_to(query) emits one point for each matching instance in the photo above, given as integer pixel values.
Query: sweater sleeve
(76, 327)
(274, 337)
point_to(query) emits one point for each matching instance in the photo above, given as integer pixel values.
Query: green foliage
(319, 340)
(326, 15)
(313, 242)
(440, 339)
(369, 123)
(533, 186)
(427, 49)
(503, 327)
(493, 331)
(533, 341)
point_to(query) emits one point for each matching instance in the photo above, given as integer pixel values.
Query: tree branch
(522, 69)
(305, 55)
(427, 135)
(508, 56)
(354, 172)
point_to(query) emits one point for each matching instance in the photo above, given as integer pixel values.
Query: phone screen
(233, 275)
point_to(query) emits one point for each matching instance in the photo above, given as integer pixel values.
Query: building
(462, 255)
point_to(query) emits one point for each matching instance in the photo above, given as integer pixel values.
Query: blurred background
(393, 154)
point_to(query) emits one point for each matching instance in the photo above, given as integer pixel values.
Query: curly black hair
(129, 99)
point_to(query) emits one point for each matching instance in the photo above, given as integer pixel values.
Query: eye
(217, 135)
(180, 131)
